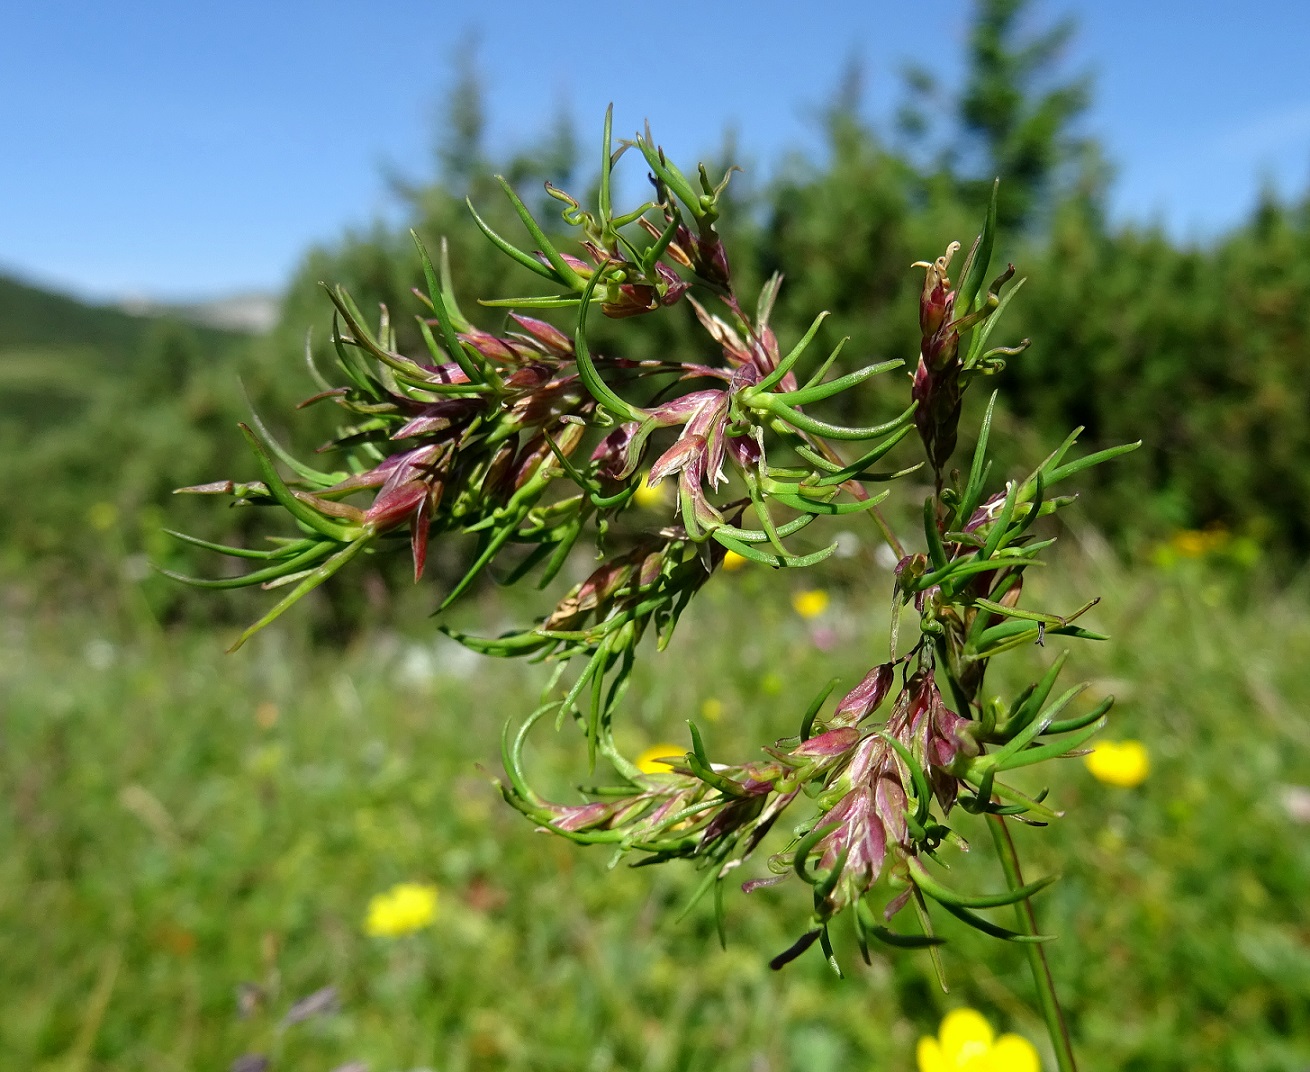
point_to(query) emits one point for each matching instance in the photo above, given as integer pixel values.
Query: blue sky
(177, 150)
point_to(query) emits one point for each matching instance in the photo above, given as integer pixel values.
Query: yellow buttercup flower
(734, 561)
(712, 709)
(966, 1043)
(648, 497)
(1191, 543)
(102, 516)
(811, 603)
(403, 909)
(1122, 763)
(651, 760)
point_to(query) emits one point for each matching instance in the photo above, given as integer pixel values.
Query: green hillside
(98, 406)
(35, 319)
(59, 354)
(31, 317)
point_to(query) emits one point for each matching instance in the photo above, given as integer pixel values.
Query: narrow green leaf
(1001, 522)
(925, 921)
(978, 343)
(1033, 698)
(656, 250)
(317, 577)
(945, 895)
(511, 752)
(838, 475)
(669, 174)
(282, 568)
(598, 388)
(352, 364)
(606, 166)
(699, 763)
(922, 791)
(762, 512)
(720, 918)
(829, 361)
(295, 507)
(960, 568)
(561, 553)
(806, 846)
(759, 536)
(808, 395)
(285, 551)
(806, 423)
(562, 268)
(547, 301)
(829, 509)
(488, 552)
(816, 705)
(305, 472)
(1073, 468)
(980, 257)
(987, 927)
(1035, 616)
(1025, 735)
(1068, 725)
(991, 643)
(463, 358)
(314, 374)
(785, 365)
(825, 943)
(529, 262)
(510, 644)
(457, 316)
(768, 559)
(972, 498)
(1054, 750)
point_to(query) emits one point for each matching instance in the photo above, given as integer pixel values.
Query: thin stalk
(1041, 970)
(887, 534)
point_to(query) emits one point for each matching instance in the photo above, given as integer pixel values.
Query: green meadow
(191, 839)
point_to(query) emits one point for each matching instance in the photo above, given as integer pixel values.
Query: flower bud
(393, 507)
(937, 299)
(554, 340)
(613, 454)
(864, 699)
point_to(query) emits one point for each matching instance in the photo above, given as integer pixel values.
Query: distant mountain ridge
(33, 317)
(58, 352)
(249, 312)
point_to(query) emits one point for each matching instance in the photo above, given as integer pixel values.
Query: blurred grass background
(189, 840)
(183, 824)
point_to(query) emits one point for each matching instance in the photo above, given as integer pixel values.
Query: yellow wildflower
(712, 709)
(966, 1044)
(102, 516)
(403, 909)
(1193, 543)
(647, 497)
(651, 760)
(810, 603)
(734, 561)
(1122, 763)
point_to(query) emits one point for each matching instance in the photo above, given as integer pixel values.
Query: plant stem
(887, 534)
(1041, 970)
